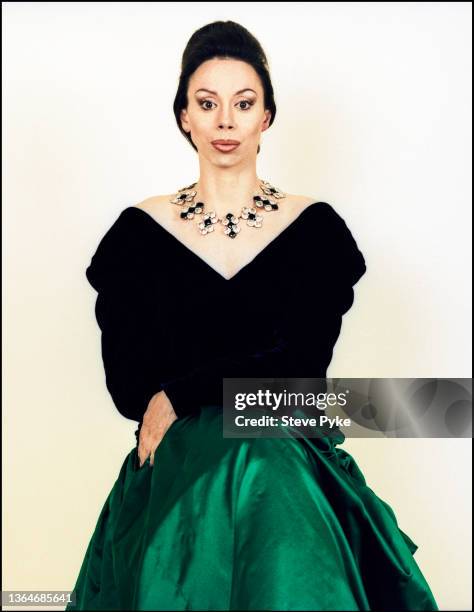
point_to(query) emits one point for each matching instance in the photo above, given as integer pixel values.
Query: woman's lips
(225, 148)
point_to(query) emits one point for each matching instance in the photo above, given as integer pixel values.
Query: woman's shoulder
(157, 206)
(301, 202)
(119, 248)
(155, 201)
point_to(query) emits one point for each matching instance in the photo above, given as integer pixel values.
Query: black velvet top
(170, 321)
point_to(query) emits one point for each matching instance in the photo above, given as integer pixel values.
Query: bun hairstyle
(222, 39)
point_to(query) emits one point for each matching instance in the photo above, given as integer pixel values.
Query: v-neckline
(246, 266)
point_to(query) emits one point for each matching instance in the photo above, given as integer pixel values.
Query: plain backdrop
(374, 117)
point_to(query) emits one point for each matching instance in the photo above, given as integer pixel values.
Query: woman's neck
(227, 195)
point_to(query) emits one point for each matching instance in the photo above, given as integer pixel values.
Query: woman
(216, 281)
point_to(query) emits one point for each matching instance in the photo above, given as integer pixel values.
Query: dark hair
(222, 39)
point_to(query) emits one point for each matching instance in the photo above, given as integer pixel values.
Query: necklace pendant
(269, 189)
(207, 224)
(186, 196)
(265, 203)
(232, 225)
(250, 215)
(190, 211)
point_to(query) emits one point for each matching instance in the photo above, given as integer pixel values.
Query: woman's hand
(156, 421)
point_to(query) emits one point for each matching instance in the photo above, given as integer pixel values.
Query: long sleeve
(345, 263)
(132, 364)
(132, 370)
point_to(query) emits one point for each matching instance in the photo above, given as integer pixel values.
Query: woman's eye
(201, 104)
(205, 102)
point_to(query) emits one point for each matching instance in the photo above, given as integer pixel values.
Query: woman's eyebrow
(215, 92)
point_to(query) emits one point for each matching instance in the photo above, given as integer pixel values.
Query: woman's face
(225, 101)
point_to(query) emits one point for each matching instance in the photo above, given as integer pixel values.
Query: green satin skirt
(247, 524)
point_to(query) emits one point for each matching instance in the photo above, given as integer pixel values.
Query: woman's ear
(266, 121)
(184, 120)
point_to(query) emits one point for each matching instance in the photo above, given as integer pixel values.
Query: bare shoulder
(153, 201)
(300, 202)
(157, 206)
(306, 200)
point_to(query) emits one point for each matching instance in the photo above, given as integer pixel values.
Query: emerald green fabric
(247, 524)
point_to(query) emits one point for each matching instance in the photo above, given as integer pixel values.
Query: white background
(373, 116)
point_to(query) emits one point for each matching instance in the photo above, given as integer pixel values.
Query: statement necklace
(229, 221)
